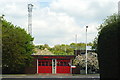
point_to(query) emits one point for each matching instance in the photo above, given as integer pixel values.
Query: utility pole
(76, 44)
(86, 49)
(65, 49)
(30, 6)
(76, 38)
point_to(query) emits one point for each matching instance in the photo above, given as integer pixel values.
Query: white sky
(58, 21)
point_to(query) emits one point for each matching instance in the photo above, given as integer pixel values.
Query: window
(39, 64)
(65, 64)
(46, 63)
(58, 63)
(43, 64)
(61, 63)
(50, 63)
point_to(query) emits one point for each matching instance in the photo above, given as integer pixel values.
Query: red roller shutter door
(44, 66)
(63, 66)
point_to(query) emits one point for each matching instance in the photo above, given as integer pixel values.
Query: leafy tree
(94, 46)
(108, 54)
(78, 46)
(16, 48)
(108, 21)
(42, 47)
(46, 46)
(42, 52)
(63, 49)
(90, 44)
(92, 61)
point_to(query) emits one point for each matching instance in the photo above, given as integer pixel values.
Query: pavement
(51, 76)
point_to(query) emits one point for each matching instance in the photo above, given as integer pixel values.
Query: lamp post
(86, 50)
(76, 44)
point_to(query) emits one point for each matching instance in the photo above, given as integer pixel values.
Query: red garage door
(63, 66)
(44, 66)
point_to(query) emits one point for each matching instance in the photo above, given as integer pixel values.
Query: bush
(108, 49)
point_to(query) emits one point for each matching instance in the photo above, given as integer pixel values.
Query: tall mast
(30, 6)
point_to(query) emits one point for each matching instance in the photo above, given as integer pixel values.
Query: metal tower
(30, 6)
(119, 8)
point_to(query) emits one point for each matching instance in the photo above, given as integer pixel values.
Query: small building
(46, 62)
(54, 63)
(51, 64)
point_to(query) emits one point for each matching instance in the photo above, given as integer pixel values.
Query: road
(50, 76)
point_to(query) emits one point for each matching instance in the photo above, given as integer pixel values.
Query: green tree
(62, 49)
(42, 47)
(94, 44)
(108, 21)
(108, 54)
(47, 46)
(92, 61)
(16, 48)
(78, 46)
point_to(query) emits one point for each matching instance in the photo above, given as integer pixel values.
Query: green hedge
(108, 50)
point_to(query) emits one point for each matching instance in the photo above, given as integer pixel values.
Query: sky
(59, 21)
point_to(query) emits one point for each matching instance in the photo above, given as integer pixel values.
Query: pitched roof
(42, 52)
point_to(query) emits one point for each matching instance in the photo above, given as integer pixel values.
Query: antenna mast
(30, 6)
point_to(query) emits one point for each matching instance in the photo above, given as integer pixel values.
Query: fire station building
(51, 64)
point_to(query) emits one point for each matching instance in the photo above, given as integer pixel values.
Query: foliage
(92, 61)
(110, 20)
(42, 47)
(94, 46)
(108, 47)
(42, 52)
(78, 46)
(64, 49)
(16, 48)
